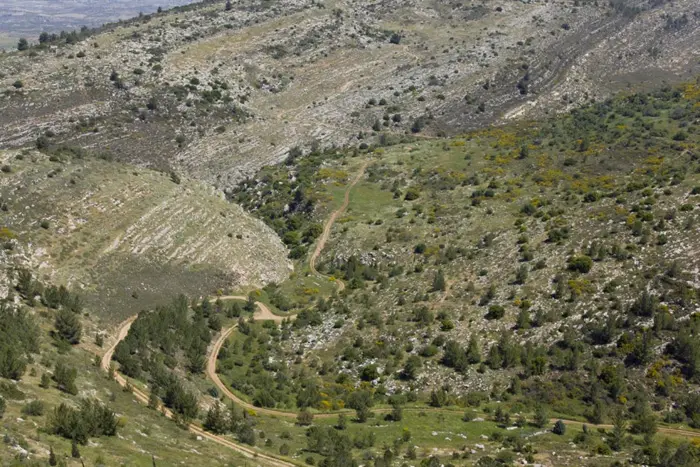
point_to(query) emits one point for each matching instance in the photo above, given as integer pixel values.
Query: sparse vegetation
(480, 297)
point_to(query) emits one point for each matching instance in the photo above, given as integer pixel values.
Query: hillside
(354, 233)
(219, 93)
(126, 237)
(476, 290)
(551, 263)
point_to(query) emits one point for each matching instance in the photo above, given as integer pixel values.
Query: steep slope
(218, 93)
(128, 237)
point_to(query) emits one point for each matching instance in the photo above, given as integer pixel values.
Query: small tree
(439, 282)
(616, 440)
(496, 312)
(396, 413)
(45, 381)
(342, 422)
(523, 321)
(215, 420)
(246, 434)
(52, 457)
(439, 398)
(411, 368)
(559, 428)
(249, 304)
(473, 350)
(361, 401)
(305, 418)
(581, 264)
(524, 152)
(22, 44)
(153, 399)
(68, 327)
(3, 406)
(228, 5)
(596, 415)
(541, 418)
(521, 275)
(65, 378)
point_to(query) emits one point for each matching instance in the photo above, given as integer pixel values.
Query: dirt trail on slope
(214, 377)
(142, 397)
(329, 225)
(264, 314)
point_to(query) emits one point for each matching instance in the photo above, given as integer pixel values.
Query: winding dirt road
(266, 314)
(263, 313)
(214, 377)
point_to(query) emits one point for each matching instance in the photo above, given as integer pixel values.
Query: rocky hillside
(550, 264)
(128, 237)
(217, 93)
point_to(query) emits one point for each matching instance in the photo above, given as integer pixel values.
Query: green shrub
(559, 428)
(495, 312)
(581, 264)
(34, 408)
(412, 193)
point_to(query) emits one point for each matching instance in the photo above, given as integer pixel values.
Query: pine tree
(305, 418)
(153, 399)
(249, 304)
(45, 381)
(521, 275)
(523, 321)
(411, 368)
(498, 414)
(524, 152)
(473, 350)
(246, 434)
(559, 428)
(616, 440)
(234, 418)
(342, 422)
(396, 413)
(65, 378)
(597, 414)
(439, 282)
(541, 417)
(68, 327)
(215, 420)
